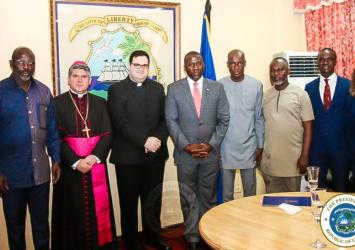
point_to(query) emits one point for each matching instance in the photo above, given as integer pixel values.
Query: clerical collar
(79, 95)
(138, 84)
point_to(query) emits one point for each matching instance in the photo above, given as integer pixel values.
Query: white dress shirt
(332, 81)
(199, 85)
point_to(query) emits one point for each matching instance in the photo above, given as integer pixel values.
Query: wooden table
(245, 224)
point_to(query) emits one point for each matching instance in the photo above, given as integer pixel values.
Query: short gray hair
(79, 65)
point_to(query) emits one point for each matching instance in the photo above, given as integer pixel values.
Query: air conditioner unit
(303, 66)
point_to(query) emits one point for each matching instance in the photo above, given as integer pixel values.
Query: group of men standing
(227, 124)
(78, 130)
(306, 127)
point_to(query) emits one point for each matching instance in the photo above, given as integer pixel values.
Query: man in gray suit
(197, 114)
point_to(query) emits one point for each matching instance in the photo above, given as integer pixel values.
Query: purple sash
(83, 147)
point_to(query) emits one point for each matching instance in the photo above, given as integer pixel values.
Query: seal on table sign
(338, 220)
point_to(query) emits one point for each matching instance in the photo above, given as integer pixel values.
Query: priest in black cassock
(82, 213)
(139, 151)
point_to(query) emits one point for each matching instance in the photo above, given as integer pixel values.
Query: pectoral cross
(86, 130)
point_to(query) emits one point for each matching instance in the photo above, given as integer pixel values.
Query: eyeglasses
(140, 66)
(22, 63)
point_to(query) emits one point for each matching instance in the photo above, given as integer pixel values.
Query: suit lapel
(336, 95)
(205, 95)
(335, 98)
(316, 94)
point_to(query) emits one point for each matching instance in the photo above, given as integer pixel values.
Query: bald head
(279, 60)
(236, 52)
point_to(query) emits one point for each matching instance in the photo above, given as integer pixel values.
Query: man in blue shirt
(27, 130)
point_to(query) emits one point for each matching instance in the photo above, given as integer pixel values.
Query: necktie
(197, 99)
(326, 97)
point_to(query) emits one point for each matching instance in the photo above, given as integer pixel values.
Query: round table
(245, 224)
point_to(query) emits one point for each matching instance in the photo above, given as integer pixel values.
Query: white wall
(260, 28)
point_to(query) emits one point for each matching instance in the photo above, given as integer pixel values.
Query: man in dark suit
(197, 114)
(139, 151)
(328, 95)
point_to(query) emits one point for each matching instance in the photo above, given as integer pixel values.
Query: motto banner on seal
(105, 33)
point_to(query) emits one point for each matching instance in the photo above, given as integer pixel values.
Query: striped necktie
(197, 99)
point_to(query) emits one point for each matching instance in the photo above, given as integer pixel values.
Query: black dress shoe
(192, 245)
(203, 245)
(159, 244)
(134, 246)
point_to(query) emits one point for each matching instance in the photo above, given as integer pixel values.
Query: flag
(205, 48)
(209, 72)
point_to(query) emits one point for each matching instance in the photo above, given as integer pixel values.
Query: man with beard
(82, 209)
(329, 94)
(27, 130)
(288, 131)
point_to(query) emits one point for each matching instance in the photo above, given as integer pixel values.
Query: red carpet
(173, 235)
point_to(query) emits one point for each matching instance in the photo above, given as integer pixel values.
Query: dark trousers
(15, 203)
(197, 187)
(337, 163)
(144, 181)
